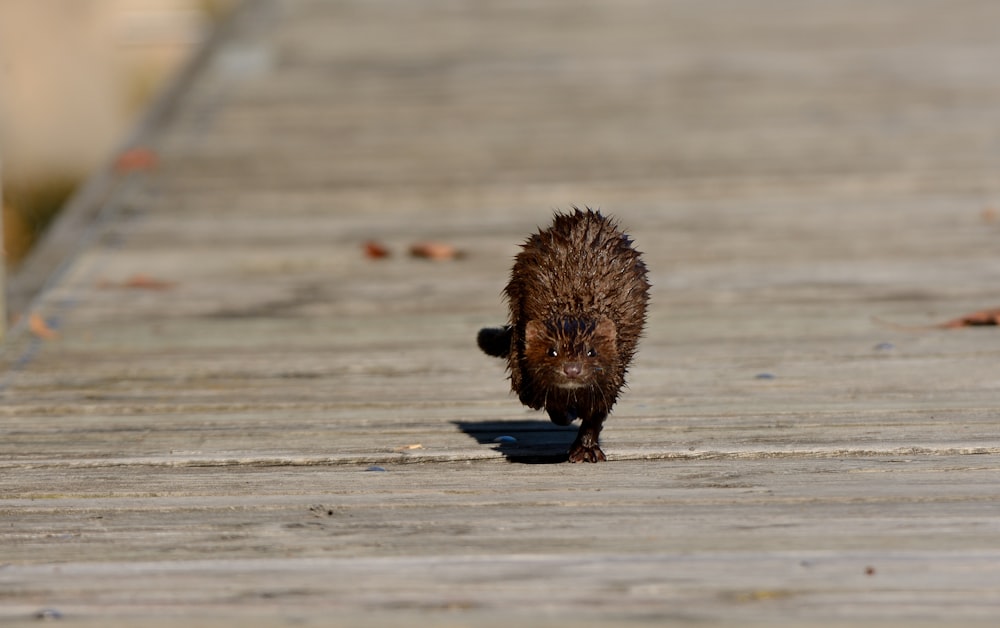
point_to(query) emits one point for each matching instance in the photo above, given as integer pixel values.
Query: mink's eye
(553, 353)
(591, 353)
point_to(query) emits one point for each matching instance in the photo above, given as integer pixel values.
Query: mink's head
(570, 353)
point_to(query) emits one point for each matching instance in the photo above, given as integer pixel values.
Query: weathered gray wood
(196, 447)
(3, 276)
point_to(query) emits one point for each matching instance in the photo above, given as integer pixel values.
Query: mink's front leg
(562, 416)
(586, 447)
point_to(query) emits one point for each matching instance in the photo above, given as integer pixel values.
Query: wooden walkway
(219, 411)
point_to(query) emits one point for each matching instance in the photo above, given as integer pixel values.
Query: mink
(577, 297)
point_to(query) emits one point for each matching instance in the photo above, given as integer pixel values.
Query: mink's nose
(572, 369)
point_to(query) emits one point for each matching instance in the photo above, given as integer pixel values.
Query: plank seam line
(491, 455)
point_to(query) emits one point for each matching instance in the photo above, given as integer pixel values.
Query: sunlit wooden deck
(220, 411)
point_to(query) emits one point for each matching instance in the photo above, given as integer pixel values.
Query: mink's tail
(495, 341)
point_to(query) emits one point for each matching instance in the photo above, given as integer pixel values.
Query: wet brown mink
(577, 297)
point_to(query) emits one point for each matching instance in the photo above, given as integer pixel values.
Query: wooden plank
(3, 274)
(242, 419)
(630, 540)
(189, 526)
(657, 589)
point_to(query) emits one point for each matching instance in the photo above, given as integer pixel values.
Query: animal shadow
(524, 441)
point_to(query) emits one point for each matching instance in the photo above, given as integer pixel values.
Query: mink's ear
(606, 331)
(533, 330)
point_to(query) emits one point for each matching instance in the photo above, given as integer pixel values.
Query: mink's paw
(582, 453)
(586, 447)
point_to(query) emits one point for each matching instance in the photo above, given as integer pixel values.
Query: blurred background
(74, 75)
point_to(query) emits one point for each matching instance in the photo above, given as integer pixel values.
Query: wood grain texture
(245, 420)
